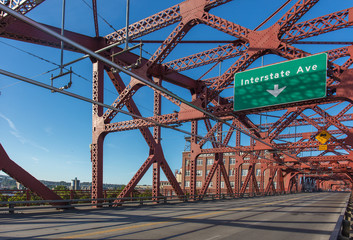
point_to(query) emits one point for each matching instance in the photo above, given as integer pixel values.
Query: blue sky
(48, 134)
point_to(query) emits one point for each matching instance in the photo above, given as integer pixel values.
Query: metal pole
(62, 34)
(127, 23)
(31, 81)
(114, 65)
(43, 85)
(87, 55)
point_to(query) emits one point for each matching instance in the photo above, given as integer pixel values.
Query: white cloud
(21, 138)
(11, 124)
(36, 160)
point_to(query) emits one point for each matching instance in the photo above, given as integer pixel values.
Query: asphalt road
(298, 216)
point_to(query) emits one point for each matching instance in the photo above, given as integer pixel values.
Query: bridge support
(22, 176)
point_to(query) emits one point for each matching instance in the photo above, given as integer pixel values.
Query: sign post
(290, 81)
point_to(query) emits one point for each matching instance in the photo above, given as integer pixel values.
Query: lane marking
(214, 237)
(112, 230)
(177, 219)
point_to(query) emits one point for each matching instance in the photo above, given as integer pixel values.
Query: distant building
(75, 184)
(179, 175)
(143, 187)
(19, 186)
(236, 172)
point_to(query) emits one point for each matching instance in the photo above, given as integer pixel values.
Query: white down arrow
(275, 92)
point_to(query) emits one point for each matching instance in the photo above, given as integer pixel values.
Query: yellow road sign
(323, 136)
(322, 147)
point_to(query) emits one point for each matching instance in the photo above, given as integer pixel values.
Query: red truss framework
(284, 144)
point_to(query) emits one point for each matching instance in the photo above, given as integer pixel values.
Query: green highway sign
(286, 82)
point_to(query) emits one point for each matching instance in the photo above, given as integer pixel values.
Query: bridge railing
(343, 225)
(12, 206)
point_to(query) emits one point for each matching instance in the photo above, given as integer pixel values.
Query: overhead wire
(143, 80)
(112, 27)
(43, 59)
(58, 67)
(104, 105)
(43, 85)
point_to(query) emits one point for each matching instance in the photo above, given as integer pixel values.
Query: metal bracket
(68, 85)
(134, 65)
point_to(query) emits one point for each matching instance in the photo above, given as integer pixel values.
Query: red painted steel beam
(169, 44)
(22, 7)
(270, 188)
(98, 134)
(150, 140)
(128, 59)
(210, 133)
(131, 106)
(124, 96)
(135, 179)
(207, 57)
(230, 132)
(21, 31)
(95, 17)
(324, 24)
(305, 134)
(232, 41)
(156, 22)
(225, 176)
(22, 176)
(231, 50)
(248, 180)
(294, 14)
(280, 127)
(304, 122)
(326, 158)
(153, 23)
(208, 179)
(172, 118)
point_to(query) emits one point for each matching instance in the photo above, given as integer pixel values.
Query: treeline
(65, 193)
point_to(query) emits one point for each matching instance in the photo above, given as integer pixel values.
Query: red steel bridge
(278, 144)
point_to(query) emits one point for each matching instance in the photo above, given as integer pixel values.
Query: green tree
(60, 187)
(3, 198)
(146, 193)
(19, 196)
(62, 191)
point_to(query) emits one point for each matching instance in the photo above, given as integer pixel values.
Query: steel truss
(281, 147)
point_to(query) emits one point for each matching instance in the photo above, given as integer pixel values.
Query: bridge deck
(300, 216)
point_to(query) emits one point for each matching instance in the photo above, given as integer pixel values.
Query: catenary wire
(111, 26)
(143, 80)
(58, 67)
(40, 84)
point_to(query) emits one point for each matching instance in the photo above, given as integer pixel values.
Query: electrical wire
(112, 27)
(43, 59)
(58, 67)
(143, 80)
(40, 84)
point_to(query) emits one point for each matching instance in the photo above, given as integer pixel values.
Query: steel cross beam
(12, 169)
(21, 6)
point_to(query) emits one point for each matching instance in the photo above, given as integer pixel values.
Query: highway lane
(297, 216)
